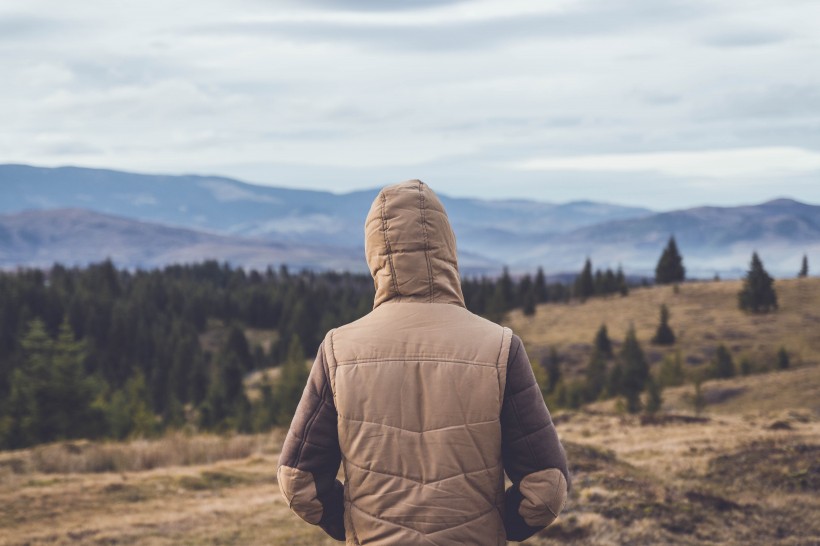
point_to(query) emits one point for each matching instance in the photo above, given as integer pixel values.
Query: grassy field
(746, 472)
(703, 315)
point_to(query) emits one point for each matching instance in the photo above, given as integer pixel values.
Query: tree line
(102, 352)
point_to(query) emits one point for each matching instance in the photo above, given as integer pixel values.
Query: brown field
(702, 315)
(746, 472)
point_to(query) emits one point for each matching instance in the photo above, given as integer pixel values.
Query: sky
(656, 103)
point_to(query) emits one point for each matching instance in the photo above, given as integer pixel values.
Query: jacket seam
(419, 480)
(416, 358)
(304, 440)
(526, 436)
(426, 241)
(387, 246)
(424, 535)
(351, 419)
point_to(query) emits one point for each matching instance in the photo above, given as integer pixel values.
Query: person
(424, 404)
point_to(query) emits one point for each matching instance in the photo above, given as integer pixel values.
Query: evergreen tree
(540, 286)
(723, 366)
(615, 380)
(654, 397)
(552, 364)
(804, 268)
(292, 381)
(671, 372)
(757, 294)
(620, 279)
(635, 371)
(670, 265)
(585, 283)
(602, 343)
(664, 334)
(783, 359)
(595, 376)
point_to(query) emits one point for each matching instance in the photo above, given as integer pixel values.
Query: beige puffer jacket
(425, 404)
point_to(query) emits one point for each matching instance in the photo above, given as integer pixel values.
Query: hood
(410, 247)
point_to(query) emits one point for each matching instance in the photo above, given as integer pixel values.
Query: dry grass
(747, 474)
(703, 315)
(174, 449)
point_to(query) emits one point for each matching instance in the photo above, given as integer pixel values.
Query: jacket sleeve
(311, 456)
(533, 456)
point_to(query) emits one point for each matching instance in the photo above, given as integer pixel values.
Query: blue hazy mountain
(711, 239)
(76, 215)
(227, 206)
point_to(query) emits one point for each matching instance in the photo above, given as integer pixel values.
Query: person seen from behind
(425, 406)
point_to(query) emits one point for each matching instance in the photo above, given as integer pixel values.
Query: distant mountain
(78, 237)
(231, 207)
(711, 239)
(148, 220)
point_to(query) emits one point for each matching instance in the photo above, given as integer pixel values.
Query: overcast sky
(657, 103)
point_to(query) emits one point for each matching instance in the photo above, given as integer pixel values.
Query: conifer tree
(635, 371)
(292, 381)
(595, 376)
(585, 283)
(552, 364)
(757, 294)
(602, 344)
(620, 280)
(540, 286)
(664, 334)
(671, 373)
(783, 359)
(654, 397)
(670, 265)
(804, 268)
(723, 366)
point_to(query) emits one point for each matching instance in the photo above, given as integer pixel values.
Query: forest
(101, 352)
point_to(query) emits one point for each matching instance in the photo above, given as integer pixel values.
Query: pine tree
(671, 373)
(783, 359)
(804, 268)
(620, 279)
(552, 364)
(670, 265)
(292, 381)
(654, 398)
(757, 294)
(723, 366)
(585, 283)
(595, 376)
(635, 371)
(540, 286)
(664, 334)
(602, 343)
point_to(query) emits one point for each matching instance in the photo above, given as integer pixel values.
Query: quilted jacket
(425, 405)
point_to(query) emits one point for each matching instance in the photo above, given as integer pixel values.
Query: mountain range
(75, 215)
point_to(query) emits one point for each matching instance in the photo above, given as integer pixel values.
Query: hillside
(745, 472)
(703, 315)
(747, 477)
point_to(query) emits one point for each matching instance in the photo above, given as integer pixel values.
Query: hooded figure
(424, 404)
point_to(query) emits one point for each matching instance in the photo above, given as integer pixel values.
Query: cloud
(460, 26)
(745, 38)
(379, 5)
(728, 163)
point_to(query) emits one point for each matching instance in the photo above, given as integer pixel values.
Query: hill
(231, 207)
(703, 315)
(711, 239)
(40, 238)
